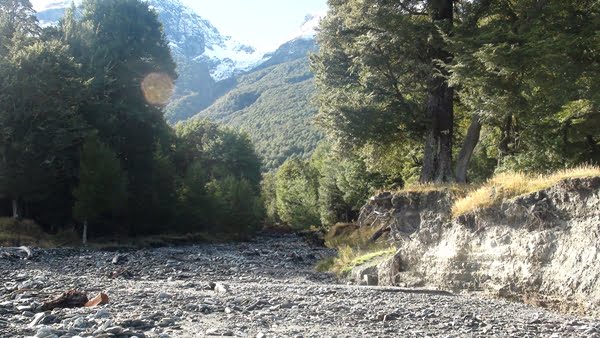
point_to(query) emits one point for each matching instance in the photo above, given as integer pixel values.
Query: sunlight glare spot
(157, 88)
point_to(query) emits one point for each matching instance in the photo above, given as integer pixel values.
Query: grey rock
(37, 319)
(164, 295)
(103, 313)
(221, 288)
(219, 332)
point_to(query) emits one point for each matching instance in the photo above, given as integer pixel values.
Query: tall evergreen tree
(119, 44)
(221, 178)
(381, 77)
(528, 72)
(40, 129)
(297, 193)
(17, 22)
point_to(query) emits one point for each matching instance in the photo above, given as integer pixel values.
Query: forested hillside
(83, 138)
(273, 104)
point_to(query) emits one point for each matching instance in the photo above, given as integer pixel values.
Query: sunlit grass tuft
(353, 246)
(429, 187)
(348, 258)
(348, 234)
(509, 185)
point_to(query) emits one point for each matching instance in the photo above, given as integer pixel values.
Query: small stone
(287, 305)
(119, 259)
(80, 323)
(221, 288)
(164, 295)
(24, 308)
(166, 322)
(104, 313)
(45, 332)
(37, 319)
(219, 333)
(114, 330)
(50, 319)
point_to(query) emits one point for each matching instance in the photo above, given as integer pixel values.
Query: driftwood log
(22, 252)
(69, 299)
(378, 234)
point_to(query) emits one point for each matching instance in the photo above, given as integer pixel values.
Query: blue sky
(264, 24)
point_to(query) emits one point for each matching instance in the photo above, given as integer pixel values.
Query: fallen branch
(378, 234)
(69, 299)
(14, 251)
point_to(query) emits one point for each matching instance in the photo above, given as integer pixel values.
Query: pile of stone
(263, 288)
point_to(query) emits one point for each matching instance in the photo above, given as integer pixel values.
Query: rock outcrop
(542, 247)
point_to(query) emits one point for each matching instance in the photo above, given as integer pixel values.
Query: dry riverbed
(264, 288)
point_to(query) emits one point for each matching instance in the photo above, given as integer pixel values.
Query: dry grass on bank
(455, 188)
(353, 246)
(352, 242)
(348, 234)
(509, 185)
(349, 257)
(28, 233)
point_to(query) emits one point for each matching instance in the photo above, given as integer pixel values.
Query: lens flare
(157, 88)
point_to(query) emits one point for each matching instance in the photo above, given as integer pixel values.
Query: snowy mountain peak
(194, 38)
(191, 37)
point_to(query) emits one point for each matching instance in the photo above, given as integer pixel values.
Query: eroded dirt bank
(541, 247)
(264, 288)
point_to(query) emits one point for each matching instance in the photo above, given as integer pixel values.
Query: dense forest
(443, 92)
(83, 136)
(408, 92)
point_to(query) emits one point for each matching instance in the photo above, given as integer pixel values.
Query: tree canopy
(431, 75)
(83, 136)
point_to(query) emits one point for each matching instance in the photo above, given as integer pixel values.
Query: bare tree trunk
(466, 152)
(503, 148)
(429, 158)
(15, 208)
(437, 160)
(85, 230)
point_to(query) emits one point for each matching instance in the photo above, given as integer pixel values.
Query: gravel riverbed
(263, 288)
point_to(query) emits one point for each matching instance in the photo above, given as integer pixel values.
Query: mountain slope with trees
(273, 104)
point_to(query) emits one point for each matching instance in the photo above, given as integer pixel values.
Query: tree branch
(409, 10)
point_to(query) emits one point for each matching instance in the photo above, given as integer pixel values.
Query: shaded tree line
(329, 187)
(463, 88)
(83, 139)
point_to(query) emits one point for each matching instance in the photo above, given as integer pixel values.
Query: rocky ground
(264, 288)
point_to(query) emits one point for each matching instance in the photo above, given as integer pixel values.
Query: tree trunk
(15, 208)
(85, 229)
(437, 160)
(466, 152)
(503, 148)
